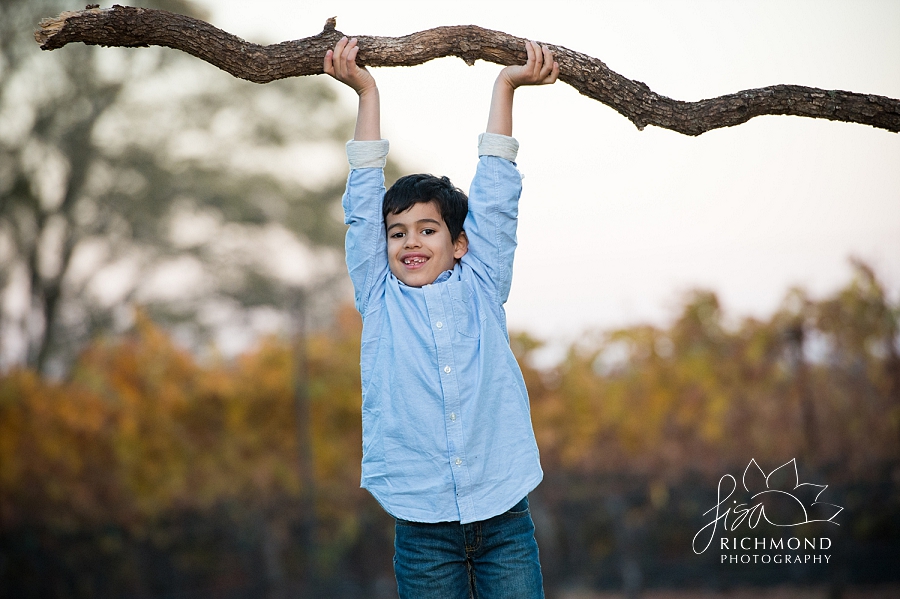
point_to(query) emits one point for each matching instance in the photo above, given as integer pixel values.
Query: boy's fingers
(554, 73)
(339, 47)
(547, 59)
(351, 45)
(350, 53)
(529, 53)
(548, 62)
(351, 62)
(538, 57)
(337, 57)
(327, 65)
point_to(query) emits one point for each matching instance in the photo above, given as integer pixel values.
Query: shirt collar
(444, 276)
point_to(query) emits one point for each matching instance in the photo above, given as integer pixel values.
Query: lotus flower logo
(778, 497)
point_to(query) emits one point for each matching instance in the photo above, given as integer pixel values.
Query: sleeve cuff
(367, 154)
(494, 144)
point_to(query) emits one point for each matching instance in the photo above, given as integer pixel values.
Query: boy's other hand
(539, 68)
(340, 63)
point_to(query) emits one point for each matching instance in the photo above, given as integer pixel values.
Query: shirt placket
(440, 319)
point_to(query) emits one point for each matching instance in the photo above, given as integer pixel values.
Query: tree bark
(136, 27)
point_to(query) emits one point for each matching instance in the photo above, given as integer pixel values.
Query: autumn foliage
(819, 381)
(148, 468)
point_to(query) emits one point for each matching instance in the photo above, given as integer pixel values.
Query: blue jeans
(495, 558)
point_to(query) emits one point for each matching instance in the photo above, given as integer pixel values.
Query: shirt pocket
(464, 310)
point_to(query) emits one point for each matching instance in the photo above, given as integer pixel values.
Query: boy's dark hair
(452, 203)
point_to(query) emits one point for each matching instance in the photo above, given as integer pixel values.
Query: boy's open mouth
(414, 260)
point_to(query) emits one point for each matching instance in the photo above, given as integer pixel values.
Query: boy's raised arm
(494, 196)
(340, 63)
(367, 152)
(539, 69)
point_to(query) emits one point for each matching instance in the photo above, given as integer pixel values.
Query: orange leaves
(663, 401)
(48, 454)
(141, 429)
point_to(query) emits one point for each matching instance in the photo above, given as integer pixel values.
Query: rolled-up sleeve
(494, 144)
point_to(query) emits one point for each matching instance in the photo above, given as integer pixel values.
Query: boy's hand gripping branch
(539, 68)
(340, 63)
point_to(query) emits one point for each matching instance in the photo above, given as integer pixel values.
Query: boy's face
(419, 245)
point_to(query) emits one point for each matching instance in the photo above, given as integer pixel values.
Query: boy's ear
(461, 245)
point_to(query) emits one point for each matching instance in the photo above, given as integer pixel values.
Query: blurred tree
(144, 447)
(146, 177)
(816, 381)
(859, 340)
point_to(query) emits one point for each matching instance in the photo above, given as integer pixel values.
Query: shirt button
(447, 369)
(439, 324)
(453, 416)
(458, 461)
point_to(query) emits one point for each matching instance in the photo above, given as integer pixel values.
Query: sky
(616, 225)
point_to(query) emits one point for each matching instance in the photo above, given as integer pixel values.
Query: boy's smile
(419, 245)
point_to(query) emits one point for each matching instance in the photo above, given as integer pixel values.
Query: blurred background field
(148, 473)
(179, 360)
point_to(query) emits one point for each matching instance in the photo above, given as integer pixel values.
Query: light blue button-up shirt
(447, 430)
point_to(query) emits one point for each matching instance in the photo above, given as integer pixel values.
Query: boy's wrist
(367, 90)
(505, 81)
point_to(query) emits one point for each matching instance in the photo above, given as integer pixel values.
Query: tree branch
(136, 27)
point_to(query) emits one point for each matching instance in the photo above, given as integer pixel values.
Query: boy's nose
(412, 241)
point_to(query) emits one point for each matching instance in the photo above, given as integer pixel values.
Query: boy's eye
(396, 235)
(427, 231)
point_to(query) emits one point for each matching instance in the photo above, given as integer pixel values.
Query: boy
(448, 448)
